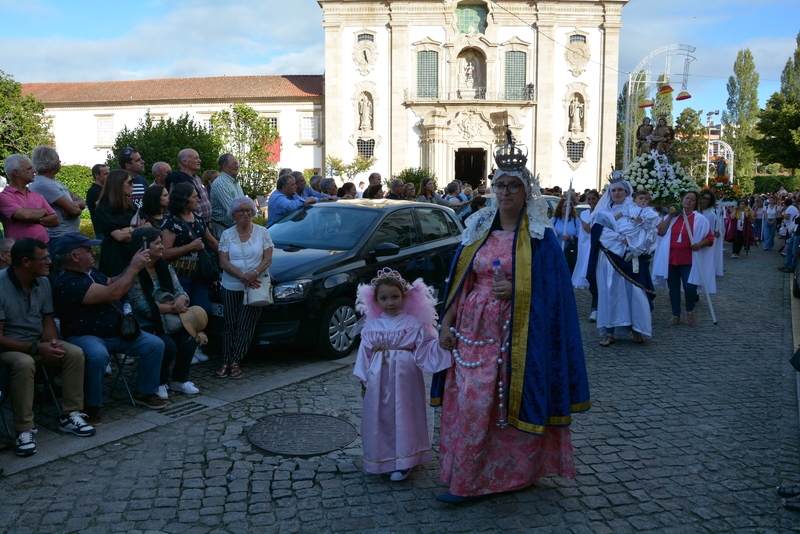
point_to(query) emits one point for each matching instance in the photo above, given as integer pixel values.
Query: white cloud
(199, 38)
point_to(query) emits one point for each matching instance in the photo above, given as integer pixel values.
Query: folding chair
(48, 383)
(119, 361)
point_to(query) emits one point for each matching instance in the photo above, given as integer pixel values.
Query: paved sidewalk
(689, 432)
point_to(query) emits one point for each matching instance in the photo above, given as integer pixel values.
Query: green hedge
(771, 183)
(77, 178)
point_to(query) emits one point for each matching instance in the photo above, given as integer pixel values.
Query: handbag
(208, 269)
(170, 322)
(261, 296)
(129, 328)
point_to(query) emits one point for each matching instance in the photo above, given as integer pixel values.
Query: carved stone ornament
(577, 55)
(470, 126)
(365, 55)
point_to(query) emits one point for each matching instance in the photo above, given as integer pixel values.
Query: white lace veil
(535, 206)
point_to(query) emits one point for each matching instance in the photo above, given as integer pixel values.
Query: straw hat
(194, 320)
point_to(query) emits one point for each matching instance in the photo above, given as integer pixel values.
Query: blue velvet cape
(547, 376)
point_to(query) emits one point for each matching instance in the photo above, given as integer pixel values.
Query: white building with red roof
(86, 116)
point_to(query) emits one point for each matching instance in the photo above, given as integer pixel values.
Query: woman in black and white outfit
(245, 252)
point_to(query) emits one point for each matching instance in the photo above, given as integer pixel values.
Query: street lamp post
(708, 146)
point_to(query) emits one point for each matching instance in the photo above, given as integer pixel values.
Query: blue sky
(83, 40)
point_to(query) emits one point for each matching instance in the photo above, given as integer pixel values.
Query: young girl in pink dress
(398, 342)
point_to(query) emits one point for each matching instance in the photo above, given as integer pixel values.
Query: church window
(471, 19)
(515, 74)
(308, 128)
(575, 150)
(427, 74)
(366, 147)
(577, 38)
(366, 37)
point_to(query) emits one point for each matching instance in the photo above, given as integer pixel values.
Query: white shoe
(201, 357)
(195, 359)
(162, 392)
(593, 316)
(108, 369)
(397, 476)
(184, 387)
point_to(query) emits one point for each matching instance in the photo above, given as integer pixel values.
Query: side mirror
(386, 249)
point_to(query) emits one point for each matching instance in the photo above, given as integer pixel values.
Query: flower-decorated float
(667, 182)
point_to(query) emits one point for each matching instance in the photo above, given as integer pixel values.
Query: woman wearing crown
(624, 292)
(510, 321)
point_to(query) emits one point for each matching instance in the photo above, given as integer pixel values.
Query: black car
(323, 251)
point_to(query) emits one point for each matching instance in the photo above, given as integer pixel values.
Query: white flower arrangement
(666, 182)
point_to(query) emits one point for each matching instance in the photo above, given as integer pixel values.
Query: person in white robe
(684, 258)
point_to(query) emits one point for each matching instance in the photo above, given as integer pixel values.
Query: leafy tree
(779, 129)
(662, 103)
(251, 138)
(415, 175)
(162, 140)
(690, 144)
(790, 77)
(77, 178)
(638, 92)
(350, 170)
(23, 124)
(742, 114)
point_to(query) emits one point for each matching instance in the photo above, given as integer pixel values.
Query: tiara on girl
(387, 272)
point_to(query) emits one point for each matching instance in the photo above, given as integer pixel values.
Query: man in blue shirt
(306, 192)
(284, 199)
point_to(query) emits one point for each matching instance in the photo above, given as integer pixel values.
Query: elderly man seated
(28, 336)
(285, 200)
(88, 304)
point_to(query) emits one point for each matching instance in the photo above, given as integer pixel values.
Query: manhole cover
(301, 434)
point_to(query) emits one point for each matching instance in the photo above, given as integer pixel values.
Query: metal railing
(525, 94)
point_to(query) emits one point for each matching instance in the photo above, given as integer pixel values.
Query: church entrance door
(471, 165)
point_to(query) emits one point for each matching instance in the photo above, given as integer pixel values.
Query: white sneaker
(108, 369)
(195, 359)
(593, 316)
(162, 392)
(25, 445)
(76, 424)
(201, 357)
(397, 476)
(184, 387)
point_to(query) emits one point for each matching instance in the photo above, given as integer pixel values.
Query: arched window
(427, 74)
(515, 75)
(577, 38)
(366, 37)
(471, 19)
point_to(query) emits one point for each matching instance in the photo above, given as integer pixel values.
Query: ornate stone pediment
(365, 52)
(577, 52)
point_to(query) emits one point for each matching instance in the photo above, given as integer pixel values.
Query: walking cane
(696, 258)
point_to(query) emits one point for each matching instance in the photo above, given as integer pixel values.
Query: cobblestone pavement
(689, 432)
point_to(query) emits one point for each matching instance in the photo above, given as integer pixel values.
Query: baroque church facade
(435, 83)
(414, 83)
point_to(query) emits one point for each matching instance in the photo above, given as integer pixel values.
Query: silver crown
(510, 157)
(616, 176)
(387, 272)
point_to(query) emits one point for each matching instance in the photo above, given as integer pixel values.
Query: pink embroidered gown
(477, 456)
(394, 427)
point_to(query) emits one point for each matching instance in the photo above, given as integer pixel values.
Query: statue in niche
(576, 108)
(469, 73)
(365, 112)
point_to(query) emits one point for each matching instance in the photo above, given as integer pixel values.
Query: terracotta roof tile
(218, 87)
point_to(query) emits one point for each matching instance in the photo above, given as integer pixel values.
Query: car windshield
(328, 228)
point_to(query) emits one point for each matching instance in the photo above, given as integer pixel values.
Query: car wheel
(336, 337)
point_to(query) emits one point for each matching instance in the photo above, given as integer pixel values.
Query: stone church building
(434, 83)
(415, 83)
